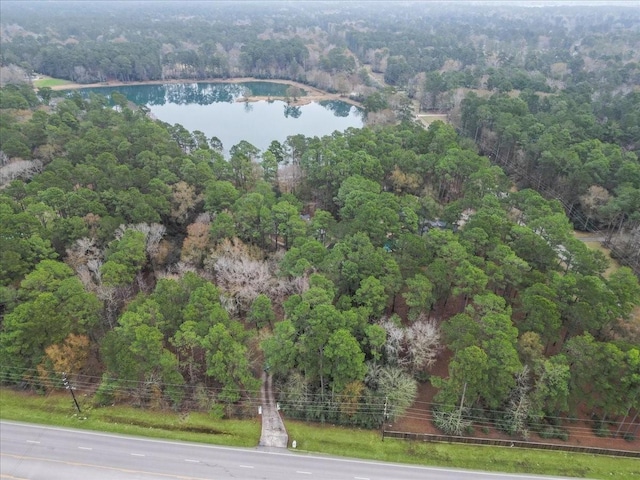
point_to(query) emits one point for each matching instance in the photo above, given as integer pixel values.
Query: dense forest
(576, 70)
(138, 258)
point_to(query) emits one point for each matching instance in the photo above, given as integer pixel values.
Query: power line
(310, 400)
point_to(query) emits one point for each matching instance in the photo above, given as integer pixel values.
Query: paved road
(36, 452)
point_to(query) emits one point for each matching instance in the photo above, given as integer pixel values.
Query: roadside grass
(58, 409)
(49, 82)
(369, 445)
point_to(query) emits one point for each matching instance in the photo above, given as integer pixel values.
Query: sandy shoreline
(313, 94)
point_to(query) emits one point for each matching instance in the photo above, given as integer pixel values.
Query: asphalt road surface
(37, 452)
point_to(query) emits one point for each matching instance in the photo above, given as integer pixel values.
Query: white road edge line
(245, 466)
(137, 454)
(361, 478)
(192, 461)
(303, 472)
(354, 461)
(85, 448)
(32, 441)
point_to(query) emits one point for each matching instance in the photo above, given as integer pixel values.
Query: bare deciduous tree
(12, 73)
(85, 257)
(517, 412)
(23, 169)
(240, 271)
(183, 200)
(592, 201)
(85, 277)
(413, 348)
(399, 390)
(289, 178)
(153, 233)
(423, 343)
(452, 421)
(195, 246)
(627, 247)
(114, 299)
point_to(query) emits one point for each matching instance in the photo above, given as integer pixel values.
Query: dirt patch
(418, 419)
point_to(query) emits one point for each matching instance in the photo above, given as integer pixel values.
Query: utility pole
(385, 415)
(464, 390)
(66, 384)
(459, 419)
(625, 416)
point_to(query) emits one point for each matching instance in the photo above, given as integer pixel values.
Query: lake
(213, 109)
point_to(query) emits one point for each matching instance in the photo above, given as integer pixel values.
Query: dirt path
(273, 432)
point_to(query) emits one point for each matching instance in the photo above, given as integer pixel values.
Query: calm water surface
(212, 108)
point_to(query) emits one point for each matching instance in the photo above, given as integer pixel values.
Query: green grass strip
(368, 444)
(49, 82)
(58, 409)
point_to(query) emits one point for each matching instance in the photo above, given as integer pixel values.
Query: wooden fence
(428, 437)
